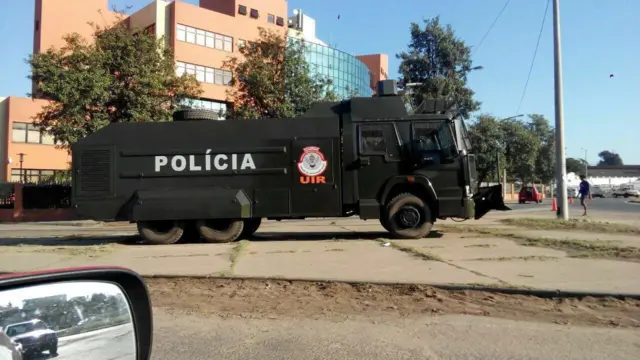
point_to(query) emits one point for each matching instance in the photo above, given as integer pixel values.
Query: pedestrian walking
(585, 190)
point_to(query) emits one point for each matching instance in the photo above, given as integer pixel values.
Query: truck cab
(218, 179)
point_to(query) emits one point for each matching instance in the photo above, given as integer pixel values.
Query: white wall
(574, 180)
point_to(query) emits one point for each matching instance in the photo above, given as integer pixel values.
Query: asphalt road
(600, 205)
(116, 343)
(441, 337)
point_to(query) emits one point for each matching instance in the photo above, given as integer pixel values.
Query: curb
(541, 293)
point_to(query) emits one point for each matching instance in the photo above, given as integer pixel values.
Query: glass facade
(349, 76)
(216, 106)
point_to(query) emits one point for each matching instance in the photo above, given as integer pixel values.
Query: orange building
(202, 36)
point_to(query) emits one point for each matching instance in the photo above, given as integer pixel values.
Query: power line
(491, 27)
(535, 52)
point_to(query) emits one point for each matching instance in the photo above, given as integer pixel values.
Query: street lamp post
(22, 175)
(586, 164)
(561, 169)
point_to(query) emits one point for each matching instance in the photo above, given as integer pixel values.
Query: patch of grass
(574, 224)
(412, 251)
(282, 252)
(225, 273)
(573, 247)
(92, 251)
(334, 250)
(236, 252)
(525, 258)
(480, 245)
(502, 285)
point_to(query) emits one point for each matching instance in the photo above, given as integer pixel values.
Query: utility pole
(561, 163)
(586, 164)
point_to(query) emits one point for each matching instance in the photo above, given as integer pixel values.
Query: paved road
(116, 343)
(444, 337)
(600, 205)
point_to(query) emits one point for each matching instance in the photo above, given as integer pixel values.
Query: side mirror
(93, 313)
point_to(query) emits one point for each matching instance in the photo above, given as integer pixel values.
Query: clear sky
(599, 38)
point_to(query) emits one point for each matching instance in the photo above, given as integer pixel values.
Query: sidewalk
(483, 252)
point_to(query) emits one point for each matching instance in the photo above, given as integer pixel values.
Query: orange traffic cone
(570, 199)
(554, 205)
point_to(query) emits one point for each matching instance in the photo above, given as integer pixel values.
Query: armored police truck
(218, 179)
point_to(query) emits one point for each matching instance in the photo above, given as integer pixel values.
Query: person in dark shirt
(585, 190)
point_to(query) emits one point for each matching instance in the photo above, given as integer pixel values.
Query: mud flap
(487, 199)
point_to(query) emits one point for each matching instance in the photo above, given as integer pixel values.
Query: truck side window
(379, 139)
(445, 136)
(426, 137)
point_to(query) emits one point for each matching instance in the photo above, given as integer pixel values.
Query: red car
(529, 194)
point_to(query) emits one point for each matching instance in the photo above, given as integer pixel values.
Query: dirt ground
(275, 299)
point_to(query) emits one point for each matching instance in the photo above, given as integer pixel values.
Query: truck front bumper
(486, 199)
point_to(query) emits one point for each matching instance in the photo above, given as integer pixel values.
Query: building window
(204, 38)
(271, 19)
(30, 133)
(216, 106)
(30, 175)
(254, 14)
(280, 21)
(242, 10)
(205, 74)
(241, 43)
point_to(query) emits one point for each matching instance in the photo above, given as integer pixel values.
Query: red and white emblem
(312, 162)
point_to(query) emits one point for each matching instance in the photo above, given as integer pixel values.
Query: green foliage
(441, 62)
(609, 158)
(486, 138)
(544, 164)
(272, 79)
(525, 148)
(122, 75)
(575, 166)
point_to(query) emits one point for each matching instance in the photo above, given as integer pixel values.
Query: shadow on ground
(73, 240)
(320, 236)
(88, 240)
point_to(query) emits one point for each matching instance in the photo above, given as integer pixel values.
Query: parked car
(626, 191)
(529, 194)
(601, 191)
(34, 336)
(572, 192)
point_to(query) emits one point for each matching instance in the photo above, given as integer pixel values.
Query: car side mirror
(61, 312)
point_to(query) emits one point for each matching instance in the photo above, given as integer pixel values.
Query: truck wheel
(384, 221)
(408, 217)
(251, 226)
(220, 230)
(161, 232)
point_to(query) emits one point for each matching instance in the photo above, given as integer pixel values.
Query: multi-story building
(202, 37)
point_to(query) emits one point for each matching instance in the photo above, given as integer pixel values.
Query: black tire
(250, 227)
(195, 114)
(53, 349)
(161, 232)
(220, 230)
(415, 206)
(384, 221)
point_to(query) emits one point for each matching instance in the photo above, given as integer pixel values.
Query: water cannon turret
(387, 88)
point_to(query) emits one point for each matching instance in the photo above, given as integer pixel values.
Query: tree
(544, 165)
(439, 61)
(521, 149)
(272, 79)
(575, 166)
(486, 138)
(123, 75)
(609, 158)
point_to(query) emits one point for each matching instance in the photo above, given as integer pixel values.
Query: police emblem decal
(312, 161)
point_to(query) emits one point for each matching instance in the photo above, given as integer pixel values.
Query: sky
(70, 288)
(599, 38)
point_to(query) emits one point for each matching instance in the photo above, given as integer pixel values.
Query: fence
(32, 202)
